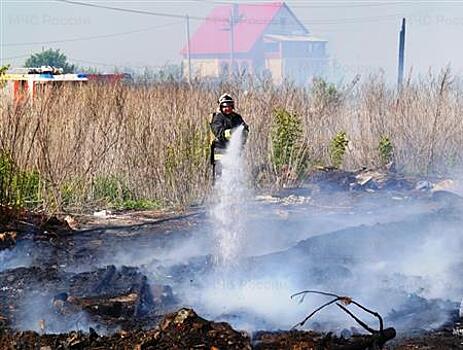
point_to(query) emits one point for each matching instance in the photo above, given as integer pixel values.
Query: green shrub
(386, 150)
(286, 135)
(338, 147)
(289, 153)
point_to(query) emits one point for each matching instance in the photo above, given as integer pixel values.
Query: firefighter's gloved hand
(227, 134)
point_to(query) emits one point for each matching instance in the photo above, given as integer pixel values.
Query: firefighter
(222, 124)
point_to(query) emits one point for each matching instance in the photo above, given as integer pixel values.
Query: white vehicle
(27, 82)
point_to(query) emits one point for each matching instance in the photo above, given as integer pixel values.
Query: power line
(340, 3)
(354, 19)
(334, 4)
(91, 37)
(251, 21)
(245, 20)
(140, 12)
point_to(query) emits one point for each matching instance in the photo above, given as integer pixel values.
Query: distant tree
(52, 58)
(3, 70)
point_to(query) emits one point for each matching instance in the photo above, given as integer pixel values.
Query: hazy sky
(362, 35)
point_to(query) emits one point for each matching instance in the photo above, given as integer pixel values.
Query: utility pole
(401, 54)
(188, 48)
(233, 16)
(232, 46)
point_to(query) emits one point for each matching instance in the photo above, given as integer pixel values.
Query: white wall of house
(202, 67)
(275, 66)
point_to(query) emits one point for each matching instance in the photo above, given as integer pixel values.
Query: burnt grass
(56, 294)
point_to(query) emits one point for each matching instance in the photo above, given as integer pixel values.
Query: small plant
(139, 204)
(289, 152)
(6, 177)
(110, 189)
(73, 192)
(325, 93)
(338, 147)
(386, 150)
(286, 135)
(26, 186)
(114, 193)
(18, 188)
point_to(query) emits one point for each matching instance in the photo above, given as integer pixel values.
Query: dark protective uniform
(219, 124)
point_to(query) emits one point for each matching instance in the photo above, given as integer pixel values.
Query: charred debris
(116, 308)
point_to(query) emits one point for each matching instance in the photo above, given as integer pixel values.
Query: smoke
(36, 313)
(393, 253)
(16, 257)
(248, 303)
(176, 251)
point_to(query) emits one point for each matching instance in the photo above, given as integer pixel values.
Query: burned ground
(129, 283)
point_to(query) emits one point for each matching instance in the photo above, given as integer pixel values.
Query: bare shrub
(151, 141)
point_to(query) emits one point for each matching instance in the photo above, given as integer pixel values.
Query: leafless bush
(152, 141)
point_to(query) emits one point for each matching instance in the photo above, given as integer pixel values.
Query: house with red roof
(264, 38)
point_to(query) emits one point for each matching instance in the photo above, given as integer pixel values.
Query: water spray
(229, 211)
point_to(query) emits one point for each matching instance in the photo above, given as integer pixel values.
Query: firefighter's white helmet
(226, 99)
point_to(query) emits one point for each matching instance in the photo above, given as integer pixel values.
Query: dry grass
(151, 141)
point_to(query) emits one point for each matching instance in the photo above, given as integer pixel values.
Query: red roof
(213, 36)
